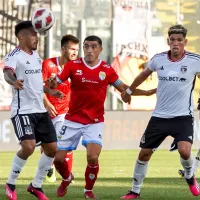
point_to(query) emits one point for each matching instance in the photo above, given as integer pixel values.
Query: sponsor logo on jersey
(182, 79)
(76, 61)
(52, 65)
(161, 68)
(79, 72)
(102, 75)
(84, 80)
(33, 71)
(106, 65)
(7, 59)
(184, 69)
(169, 78)
(27, 62)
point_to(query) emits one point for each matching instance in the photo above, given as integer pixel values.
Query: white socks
(140, 172)
(196, 162)
(17, 166)
(44, 165)
(187, 166)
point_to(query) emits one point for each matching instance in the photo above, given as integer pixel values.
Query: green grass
(114, 180)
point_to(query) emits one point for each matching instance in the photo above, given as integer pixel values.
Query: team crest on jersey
(28, 130)
(184, 69)
(102, 75)
(40, 61)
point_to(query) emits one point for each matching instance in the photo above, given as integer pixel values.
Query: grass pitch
(114, 180)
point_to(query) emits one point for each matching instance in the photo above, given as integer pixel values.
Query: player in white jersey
(23, 71)
(173, 114)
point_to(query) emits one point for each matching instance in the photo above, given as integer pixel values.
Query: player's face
(31, 37)
(177, 44)
(92, 49)
(70, 51)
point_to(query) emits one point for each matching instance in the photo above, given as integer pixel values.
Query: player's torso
(29, 69)
(175, 84)
(61, 105)
(88, 89)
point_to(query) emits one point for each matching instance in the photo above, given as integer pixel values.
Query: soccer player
(32, 123)
(90, 77)
(58, 108)
(173, 114)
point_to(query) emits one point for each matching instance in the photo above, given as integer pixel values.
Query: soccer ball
(42, 20)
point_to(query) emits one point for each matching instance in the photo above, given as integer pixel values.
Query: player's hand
(151, 92)
(51, 110)
(52, 82)
(126, 97)
(18, 84)
(198, 105)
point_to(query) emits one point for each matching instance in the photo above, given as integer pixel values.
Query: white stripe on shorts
(19, 127)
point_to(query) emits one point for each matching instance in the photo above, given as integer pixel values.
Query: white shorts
(71, 133)
(58, 122)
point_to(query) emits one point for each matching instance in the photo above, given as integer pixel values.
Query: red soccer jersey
(51, 67)
(88, 90)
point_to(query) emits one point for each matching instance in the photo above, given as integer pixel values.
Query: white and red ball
(42, 19)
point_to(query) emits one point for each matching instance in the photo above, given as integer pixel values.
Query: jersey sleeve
(197, 67)
(45, 67)
(65, 73)
(151, 64)
(10, 63)
(113, 77)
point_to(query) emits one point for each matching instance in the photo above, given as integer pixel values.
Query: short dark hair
(69, 38)
(177, 29)
(94, 38)
(22, 25)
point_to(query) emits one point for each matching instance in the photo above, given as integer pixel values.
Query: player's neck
(176, 57)
(25, 48)
(92, 64)
(62, 61)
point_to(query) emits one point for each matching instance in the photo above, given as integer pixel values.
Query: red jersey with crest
(51, 67)
(88, 89)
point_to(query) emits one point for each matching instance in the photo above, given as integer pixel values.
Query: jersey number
(26, 120)
(63, 129)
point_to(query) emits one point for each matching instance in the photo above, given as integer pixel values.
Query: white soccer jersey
(176, 81)
(27, 67)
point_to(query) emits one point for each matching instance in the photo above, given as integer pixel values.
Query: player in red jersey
(57, 108)
(90, 78)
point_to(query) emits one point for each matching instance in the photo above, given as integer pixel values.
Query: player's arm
(137, 81)
(55, 93)
(50, 107)
(11, 79)
(121, 87)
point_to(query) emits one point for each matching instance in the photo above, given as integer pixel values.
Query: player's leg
(183, 128)
(57, 122)
(45, 133)
(25, 134)
(68, 140)
(196, 162)
(92, 140)
(154, 135)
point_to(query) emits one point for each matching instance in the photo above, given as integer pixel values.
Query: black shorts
(36, 126)
(180, 128)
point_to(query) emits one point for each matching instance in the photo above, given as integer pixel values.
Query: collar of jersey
(168, 55)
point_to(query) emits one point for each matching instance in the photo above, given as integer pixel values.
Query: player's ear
(168, 41)
(186, 42)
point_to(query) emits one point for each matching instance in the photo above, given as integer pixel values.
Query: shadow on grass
(111, 189)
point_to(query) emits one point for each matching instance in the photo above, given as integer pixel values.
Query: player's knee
(185, 152)
(145, 154)
(92, 159)
(28, 149)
